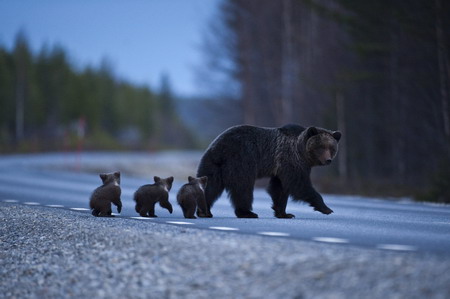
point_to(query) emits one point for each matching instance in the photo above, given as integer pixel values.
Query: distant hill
(207, 118)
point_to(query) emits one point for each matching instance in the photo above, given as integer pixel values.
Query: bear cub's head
(164, 183)
(321, 145)
(201, 182)
(111, 178)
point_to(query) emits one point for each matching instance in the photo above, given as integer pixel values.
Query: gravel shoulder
(56, 253)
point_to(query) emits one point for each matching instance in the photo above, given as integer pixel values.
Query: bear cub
(191, 196)
(148, 195)
(103, 196)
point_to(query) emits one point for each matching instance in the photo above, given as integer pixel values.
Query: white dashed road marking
(397, 247)
(179, 222)
(224, 228)
(274, 234)
(80, 209)
(10, 200)
(55, 206)
(330, 240)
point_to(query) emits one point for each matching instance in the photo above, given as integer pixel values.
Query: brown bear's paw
(245, 214)
(284, 215)
(202, 214)
(326, 211)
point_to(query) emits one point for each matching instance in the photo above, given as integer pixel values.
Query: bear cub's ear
(103, 176)
(204, 180)
(191, 179)
(157, 179)
(337, 135)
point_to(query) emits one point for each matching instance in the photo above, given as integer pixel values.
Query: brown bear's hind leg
(242, 202)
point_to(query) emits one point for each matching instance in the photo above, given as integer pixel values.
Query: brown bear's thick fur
(241, 154)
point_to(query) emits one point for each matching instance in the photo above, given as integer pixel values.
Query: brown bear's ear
(190, 179)
(157, 179)
(117, 174)
(170, 180)
(311, 131)
(337, 135)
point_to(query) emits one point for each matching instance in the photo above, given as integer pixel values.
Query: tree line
(376, 70)
(48, 104)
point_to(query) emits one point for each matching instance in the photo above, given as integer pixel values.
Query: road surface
(357, 221)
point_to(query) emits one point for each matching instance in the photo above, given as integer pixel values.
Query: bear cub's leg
(148, 210)
(151, 210)
(106, 213)
(189, 210)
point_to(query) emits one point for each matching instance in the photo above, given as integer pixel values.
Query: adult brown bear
(241, 154)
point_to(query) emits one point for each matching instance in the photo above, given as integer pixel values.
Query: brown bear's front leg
(315, 200)
(202, 214)
(279, 198)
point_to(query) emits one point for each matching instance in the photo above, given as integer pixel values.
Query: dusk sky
(143, 39)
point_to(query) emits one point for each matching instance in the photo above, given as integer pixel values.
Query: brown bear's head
(113, 177)
(321, 145)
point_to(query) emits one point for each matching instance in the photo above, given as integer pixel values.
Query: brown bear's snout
(326, 157)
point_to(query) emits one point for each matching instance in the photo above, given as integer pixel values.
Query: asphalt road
(356, 221)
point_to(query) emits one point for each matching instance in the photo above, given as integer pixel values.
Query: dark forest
(376, 70)
(48, 104)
